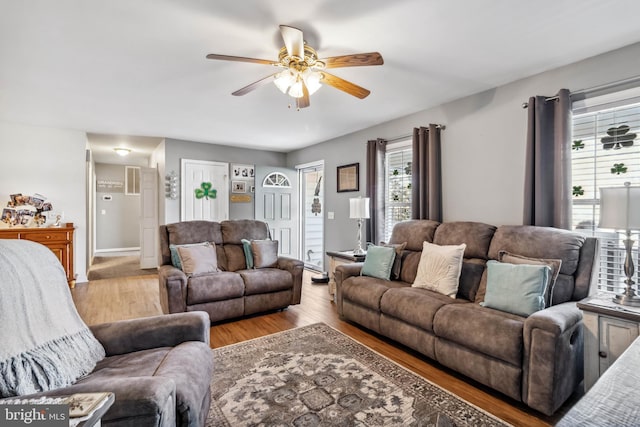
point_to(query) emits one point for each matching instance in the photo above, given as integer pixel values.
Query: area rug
(317, 376)
(110, 267)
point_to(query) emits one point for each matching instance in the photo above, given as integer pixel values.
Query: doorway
(312, 214)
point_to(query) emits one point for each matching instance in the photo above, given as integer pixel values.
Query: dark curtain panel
(375, 174)
(547, 192)
(426, 181)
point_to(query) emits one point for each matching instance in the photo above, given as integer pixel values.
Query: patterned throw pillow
(439, 268)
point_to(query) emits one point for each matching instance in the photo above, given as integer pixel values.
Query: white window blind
(605, 154)
(398, 185)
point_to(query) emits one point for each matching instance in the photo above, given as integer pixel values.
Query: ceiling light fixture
(122, 151)
(301, 72)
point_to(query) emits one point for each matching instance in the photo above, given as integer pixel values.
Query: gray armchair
(159, 368)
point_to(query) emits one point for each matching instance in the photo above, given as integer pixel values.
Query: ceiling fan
(302, 72)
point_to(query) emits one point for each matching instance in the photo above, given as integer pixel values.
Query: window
(132, 181)
(397, 193)
(605, 153)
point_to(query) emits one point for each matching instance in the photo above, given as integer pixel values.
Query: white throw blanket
(44, 344)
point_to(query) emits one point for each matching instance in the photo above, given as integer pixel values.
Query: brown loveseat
(537, 359)
(234, 291)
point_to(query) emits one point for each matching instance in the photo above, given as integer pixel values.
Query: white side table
(609, 329)
(337, 258)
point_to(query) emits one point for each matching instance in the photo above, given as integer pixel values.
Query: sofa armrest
(342, 273)
(172, 284)
(553, 356)
(168, 330)
(296, 268)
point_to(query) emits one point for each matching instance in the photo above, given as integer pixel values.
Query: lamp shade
(620, 208)
(359, 208)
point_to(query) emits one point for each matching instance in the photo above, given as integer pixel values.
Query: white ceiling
(123, 67)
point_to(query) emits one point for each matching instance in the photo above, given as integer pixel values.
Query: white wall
(50, 162)
(483, 146)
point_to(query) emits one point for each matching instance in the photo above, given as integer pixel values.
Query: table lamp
(359, 209)
(620, 210)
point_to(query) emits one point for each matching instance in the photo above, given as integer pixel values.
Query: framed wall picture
(242, 171)
(349, 177)
(238, 186)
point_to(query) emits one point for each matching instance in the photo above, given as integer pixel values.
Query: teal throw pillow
(517, 289)
(175, 257)
(248, 255)
(379, 262)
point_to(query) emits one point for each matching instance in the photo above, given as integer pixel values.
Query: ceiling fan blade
(303, 101)
(253, 86)
(356, 60)
(345, 86)
(293, 40)
(240, 59)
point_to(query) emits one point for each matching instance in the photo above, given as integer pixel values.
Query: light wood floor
(126, 298)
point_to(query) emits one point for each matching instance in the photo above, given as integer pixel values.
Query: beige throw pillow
(265, 253)
(439, 268)
(198, 259)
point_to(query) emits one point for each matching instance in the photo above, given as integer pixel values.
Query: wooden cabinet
(609, 329)
(58, 239)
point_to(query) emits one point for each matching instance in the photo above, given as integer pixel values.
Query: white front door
(276, 200)
(148, 218)
(205, 190)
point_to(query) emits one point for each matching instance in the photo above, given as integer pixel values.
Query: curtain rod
(400, 138)
(582, 93)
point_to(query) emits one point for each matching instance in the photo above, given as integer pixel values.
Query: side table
(337, 258)
(609, 329)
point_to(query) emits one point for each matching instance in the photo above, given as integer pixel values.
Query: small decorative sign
(240, 198)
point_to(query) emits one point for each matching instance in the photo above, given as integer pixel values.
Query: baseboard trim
(98, 251)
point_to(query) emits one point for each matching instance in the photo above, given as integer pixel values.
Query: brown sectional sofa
(537, 360)
(234, 291)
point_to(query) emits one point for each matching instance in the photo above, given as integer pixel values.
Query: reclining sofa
(234, 290)
(537, 360)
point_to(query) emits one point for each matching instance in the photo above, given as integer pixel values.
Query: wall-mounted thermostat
(107, 197)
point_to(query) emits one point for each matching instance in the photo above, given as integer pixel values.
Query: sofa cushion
(214, 287)
(516, 288)
(181, 233)
(409, 266)
(414, 232)
(265, 280)
(439, 268)
(492, 332)
(234, 231)
(476, 235)
(470, 276)
(414, 306)
(397, 261)
(264, 253)
(234, 254)
(554, 265)
(543, 242)
(198, 259)
(379, 262)
(367, 291)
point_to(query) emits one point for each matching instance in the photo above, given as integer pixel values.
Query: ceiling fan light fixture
(284, 80)
(312, 80)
